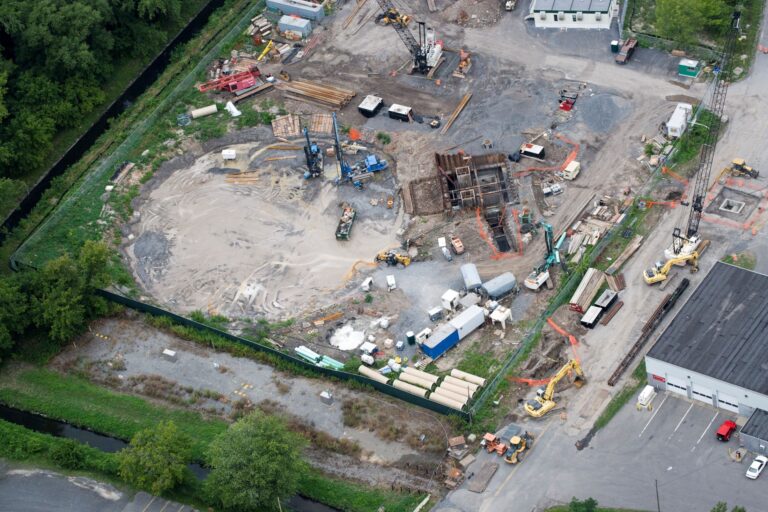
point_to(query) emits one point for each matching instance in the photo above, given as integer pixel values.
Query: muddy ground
(127, 355)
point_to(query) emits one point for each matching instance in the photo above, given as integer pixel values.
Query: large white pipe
(373, 374)
(410, 388)
(418, 381)
(205, 111)
(424, 375)
(462, 399)
(474, 379)
(453, 404)
(457, 389)
(460, 383)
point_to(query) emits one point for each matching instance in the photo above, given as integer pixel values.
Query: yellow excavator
(517, 446)
(740, 169)
(394, 17)
(543, 402)
(393, 258)
(659, 272)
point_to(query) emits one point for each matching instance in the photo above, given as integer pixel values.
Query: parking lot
(673, 444)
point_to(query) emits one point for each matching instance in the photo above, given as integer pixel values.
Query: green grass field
(77, 401)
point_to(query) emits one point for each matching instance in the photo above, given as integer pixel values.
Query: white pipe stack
(462, 399)
(474, 379)
(453, 404)
(372, 374)
(205, 111)
(410, 388)
(461, 383)
(417, 381)
(424, 375)
(457, 389)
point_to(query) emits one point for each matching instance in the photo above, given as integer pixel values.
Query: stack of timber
(287, 126)
(455, 114)
(242, 178)
(321, 123)
(629, 250)
(585, 292)
(326, 95)
(261, 26)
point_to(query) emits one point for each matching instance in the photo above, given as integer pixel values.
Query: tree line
(689, 22)
(55, 56)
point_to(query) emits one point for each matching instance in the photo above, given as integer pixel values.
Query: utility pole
(658, 503)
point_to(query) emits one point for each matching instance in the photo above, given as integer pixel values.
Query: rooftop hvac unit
(579, 16)
(542, 15)
(561, 16)
(598, 16)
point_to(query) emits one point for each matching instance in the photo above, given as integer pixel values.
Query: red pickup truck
(726, 429)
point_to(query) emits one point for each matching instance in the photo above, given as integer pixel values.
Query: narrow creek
(110, 444)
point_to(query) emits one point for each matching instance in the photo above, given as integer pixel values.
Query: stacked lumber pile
(261, 26)
(321, 123)
(593, 280)
(317, 92)
(287, 126)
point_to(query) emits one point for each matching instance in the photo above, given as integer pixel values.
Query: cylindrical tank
(410, 337)
(463, 399)
(442, 399)
(367, 359)
(460, 383)
(373, 374)
(424, 375)
(474, 379)
(457, 389)
(205, 111)
(417, 381)
(410, 388)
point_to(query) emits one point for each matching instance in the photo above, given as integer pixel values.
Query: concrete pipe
(417, 381)
(440, 399)
(474, 379)
(410, 388)
(205, 111)
(457, 389)
(373, 374)
(461, 383)
(424, 375)
(462, 399)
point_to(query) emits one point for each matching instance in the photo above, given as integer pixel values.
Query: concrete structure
(714, 350)
(573, 13)
(301, 8)
(301, 26)
(754, 434)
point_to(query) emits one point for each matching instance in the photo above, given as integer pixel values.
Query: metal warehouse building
(716, 348)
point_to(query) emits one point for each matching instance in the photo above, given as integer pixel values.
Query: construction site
(425, 205)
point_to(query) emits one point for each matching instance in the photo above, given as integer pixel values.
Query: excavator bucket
(579, 381)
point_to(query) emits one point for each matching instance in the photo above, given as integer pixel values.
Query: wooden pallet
(321, 123)
(287, 126)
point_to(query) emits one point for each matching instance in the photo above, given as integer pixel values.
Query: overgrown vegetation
(63, 62)
(384, 138)
(587, 505)
(744, 260)
(688, 146)
(637, 381)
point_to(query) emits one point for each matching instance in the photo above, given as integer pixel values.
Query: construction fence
(325, 372)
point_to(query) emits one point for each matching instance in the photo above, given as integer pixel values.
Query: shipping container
(468, 320)
(301, 8)
(606, 299)
(500, 286)
(370, 106)
(591, 317)
(296, 24)
(443, 339)
(471, 277)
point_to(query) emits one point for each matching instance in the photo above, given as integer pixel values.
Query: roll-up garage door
(678, 386)
(701, 393)
(727, 402)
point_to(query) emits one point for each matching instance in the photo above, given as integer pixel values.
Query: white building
(573, 13)
(716, 349)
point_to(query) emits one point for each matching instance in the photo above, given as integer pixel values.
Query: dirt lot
(127, 355)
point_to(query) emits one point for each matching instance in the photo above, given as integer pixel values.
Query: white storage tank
(468, 320)
(500, 286)
(471, 277)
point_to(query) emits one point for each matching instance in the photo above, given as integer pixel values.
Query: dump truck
(344, 228)
(627, 49)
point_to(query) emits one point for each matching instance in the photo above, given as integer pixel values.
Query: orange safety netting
(571, 338)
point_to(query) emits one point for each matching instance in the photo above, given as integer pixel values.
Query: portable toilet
(689, 68)
(615, 46)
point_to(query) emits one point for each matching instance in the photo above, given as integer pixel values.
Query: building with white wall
(716, 349)
(573, 13)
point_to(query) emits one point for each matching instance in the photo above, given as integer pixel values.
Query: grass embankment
(77, 401)
(744, 260)
(634, 385)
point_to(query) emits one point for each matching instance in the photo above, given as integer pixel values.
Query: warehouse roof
(720, 331)
(571, 5)
(757, 425)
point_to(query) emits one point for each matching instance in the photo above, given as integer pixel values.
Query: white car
(757, 467)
